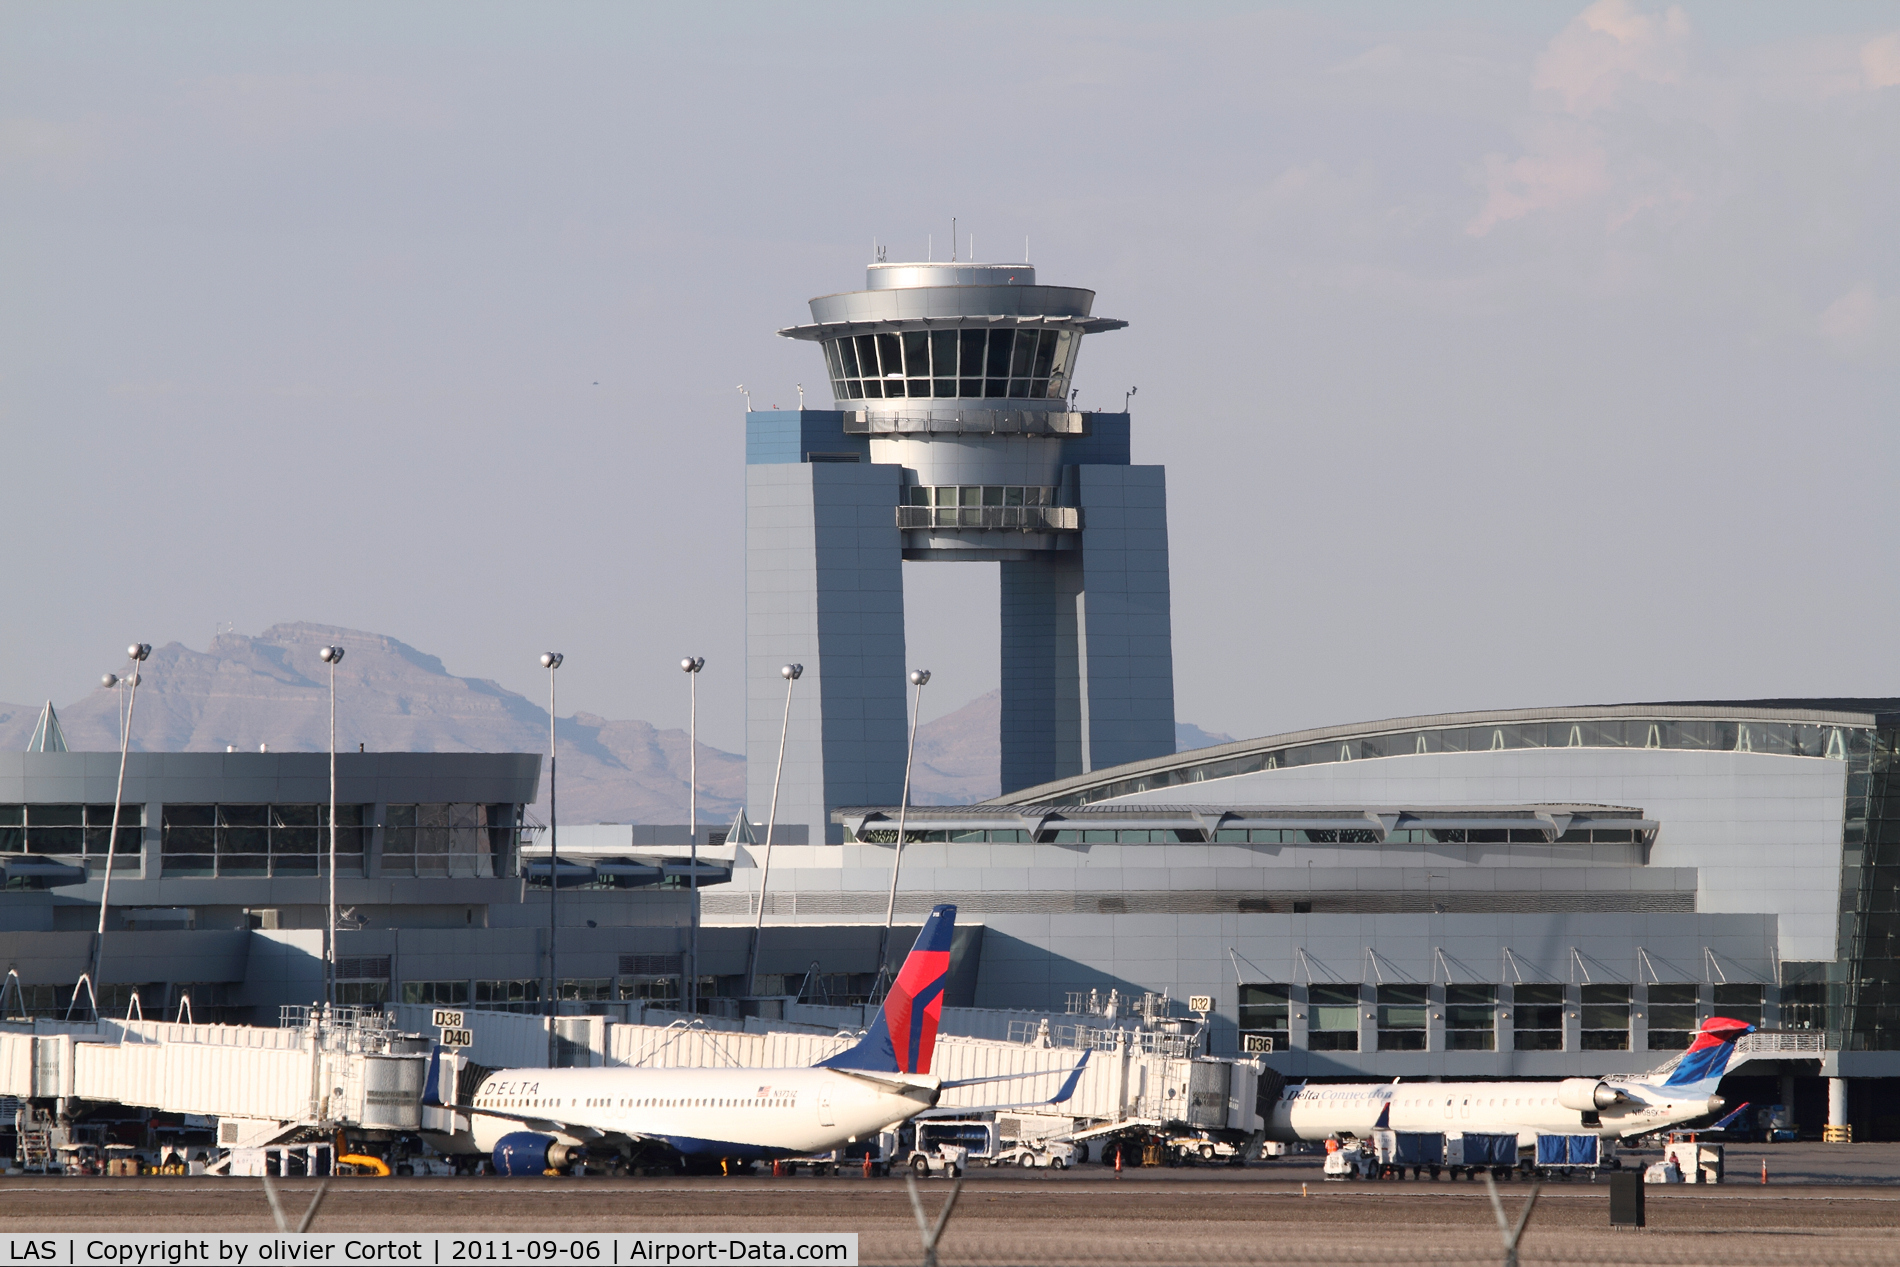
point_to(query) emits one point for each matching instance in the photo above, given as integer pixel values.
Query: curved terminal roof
(1829, 727)
(1359, 825)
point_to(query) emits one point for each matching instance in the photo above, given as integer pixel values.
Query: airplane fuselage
(1317, 1111)
(745, 1113)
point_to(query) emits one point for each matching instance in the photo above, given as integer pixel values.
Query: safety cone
(1118, 1161)
(867, 1165)
(1764, 1170)
(1303, 1191)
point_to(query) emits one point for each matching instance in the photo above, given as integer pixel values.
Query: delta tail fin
(904, 1034)
(1708, 1057)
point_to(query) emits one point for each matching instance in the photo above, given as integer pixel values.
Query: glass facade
(73, 831)
(436, 993)
(1332, 1017)
(1739, 1001)
(1537, 1017)
(1866, 997)
(1402, 1012)
(509, 996)
(260, 840)
(1674, 1014)
(456, 839)
(1030, 507)
(1471, 1018)
(1606, 1017)
(949, 364)
(1263, 1011)
(1838, 743)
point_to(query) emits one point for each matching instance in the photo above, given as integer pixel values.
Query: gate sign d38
(446, 1019)
(458, 1038)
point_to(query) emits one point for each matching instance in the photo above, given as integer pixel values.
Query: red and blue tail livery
(904, 1035)
(1708, 1056)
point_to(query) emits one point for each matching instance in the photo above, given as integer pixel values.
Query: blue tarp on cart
(1490, 1150)
(1567, 1150)
(1418, 1148)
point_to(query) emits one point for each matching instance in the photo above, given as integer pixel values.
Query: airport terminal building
(1523, 893)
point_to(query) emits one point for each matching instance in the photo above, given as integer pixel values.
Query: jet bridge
(343, 1067)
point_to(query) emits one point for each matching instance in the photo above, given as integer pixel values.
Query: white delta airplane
(537, 1120)
(1616, 1106)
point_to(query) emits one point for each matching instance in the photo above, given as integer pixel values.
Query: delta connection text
(436, 1249)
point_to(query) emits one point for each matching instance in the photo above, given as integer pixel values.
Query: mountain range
(245, 690)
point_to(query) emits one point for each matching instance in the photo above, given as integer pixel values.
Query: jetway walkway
(346, 1068)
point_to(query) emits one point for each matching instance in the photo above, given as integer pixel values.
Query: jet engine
(1587, 1095)
(526, 1153)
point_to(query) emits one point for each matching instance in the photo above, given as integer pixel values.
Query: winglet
(1067, 1088)
(904, 1035)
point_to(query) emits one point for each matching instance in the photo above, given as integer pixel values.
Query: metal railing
(1783, 1042)
(1021, 518)
(1096, 1038)
(968, 421)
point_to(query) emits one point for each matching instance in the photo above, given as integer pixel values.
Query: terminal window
(456, 839)
(1804, 1005)
(1019, 364)
(72, 830)
(1606, 1017)
(508, 996)
(436, 993)
(1739, 1001)
(260, 840)
(1402, 1012)
(1471, 1018)
(1538, 1017)
(1332, 1017)
(1673, 1015)
(1263, 1011)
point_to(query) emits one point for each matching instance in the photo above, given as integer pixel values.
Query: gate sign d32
(1200, 1002)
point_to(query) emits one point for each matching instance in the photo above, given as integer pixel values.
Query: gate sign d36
(446, 1019)
(1256, 1043)
(458, 1038)
(1200, 1002)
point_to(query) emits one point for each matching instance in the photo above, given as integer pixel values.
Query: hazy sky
(1500, 355)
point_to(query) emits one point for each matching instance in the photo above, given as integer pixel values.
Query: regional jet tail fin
(1702, 1066)
(904, 1035)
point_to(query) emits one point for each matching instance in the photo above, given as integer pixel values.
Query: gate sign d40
(1200, 1002)
(446, 1019)
(458, 1038)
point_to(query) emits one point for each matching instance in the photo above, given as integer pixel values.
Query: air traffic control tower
(952, 440)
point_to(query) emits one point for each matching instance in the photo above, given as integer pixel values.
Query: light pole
(917, 679)
(331, 656)
(791, 673)
(692, 665)
(551, 660)
(137, 653)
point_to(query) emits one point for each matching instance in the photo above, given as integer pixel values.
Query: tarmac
(1822, 1204)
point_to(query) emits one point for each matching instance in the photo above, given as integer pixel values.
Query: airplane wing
(545, 1124)
(1012, 1077)
(1062, 1094)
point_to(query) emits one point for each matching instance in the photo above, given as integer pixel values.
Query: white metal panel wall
(16, 1065)
(221, 1080)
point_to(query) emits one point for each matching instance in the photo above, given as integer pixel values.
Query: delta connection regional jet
(1613, 1107)
(534, 1120)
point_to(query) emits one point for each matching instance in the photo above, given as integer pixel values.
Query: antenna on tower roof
(953, 239)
